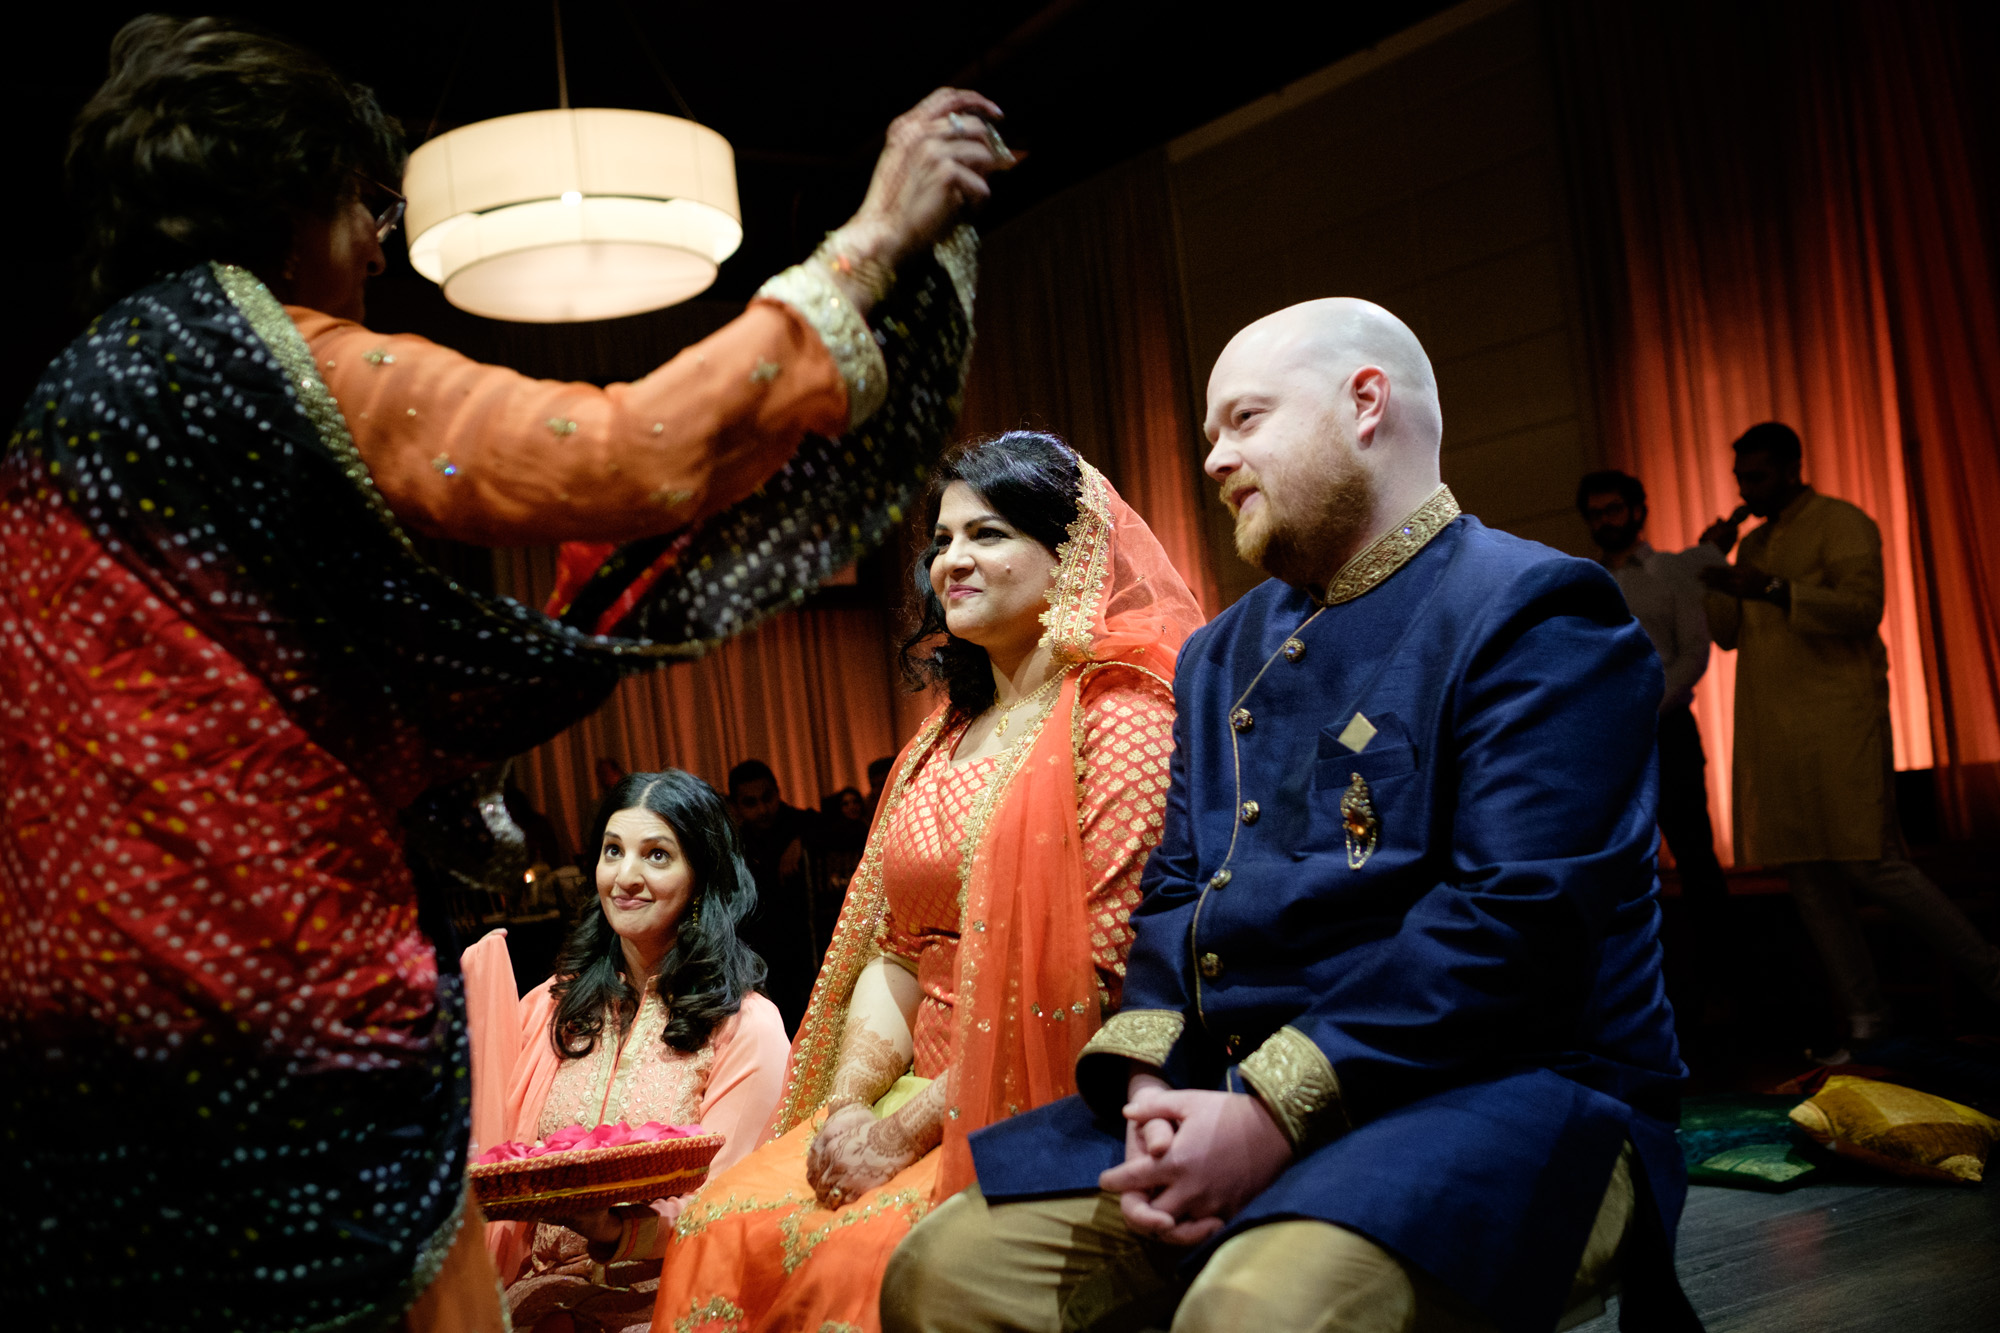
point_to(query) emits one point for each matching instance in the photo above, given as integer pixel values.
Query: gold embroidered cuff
(958, 255)
(1146, 1035)
(810, 290)
(1297, 1084)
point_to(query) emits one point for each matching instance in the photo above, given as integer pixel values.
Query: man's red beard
(1304, 540)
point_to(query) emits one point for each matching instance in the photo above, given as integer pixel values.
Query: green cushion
(1742, 1139)
(1757, 1166)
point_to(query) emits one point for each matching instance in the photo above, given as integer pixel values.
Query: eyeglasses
(388, 216)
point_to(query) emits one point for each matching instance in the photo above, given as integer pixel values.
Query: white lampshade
(551, 216)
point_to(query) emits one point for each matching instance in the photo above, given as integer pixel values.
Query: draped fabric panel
(1777, 221)
(811, 693)
(1081, 333)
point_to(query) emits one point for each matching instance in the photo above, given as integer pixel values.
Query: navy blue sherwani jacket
(1406, 895)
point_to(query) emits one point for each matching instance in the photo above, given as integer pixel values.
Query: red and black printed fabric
(239, 720)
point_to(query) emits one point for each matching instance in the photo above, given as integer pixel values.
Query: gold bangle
(875, 277)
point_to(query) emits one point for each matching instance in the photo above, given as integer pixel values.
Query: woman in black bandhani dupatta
(242, 721)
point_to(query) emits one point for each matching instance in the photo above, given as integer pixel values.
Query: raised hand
(936, 161)
(1721, 534)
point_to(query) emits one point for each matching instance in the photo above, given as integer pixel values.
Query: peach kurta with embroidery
(523, 1091)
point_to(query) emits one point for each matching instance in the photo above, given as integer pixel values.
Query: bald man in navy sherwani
(1394, 1052)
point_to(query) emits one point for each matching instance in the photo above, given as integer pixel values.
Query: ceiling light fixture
(554, 216)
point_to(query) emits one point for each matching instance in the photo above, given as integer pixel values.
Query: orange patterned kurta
(922, 850)
(753, 1249)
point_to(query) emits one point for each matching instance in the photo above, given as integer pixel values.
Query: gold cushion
(1900, 1129)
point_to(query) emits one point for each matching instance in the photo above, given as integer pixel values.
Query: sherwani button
(1249, 812)
(1220, 878)
(1294, 649)
(1241, 719)
(1211, 966)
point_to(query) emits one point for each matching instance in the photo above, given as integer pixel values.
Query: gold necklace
(1047, 687)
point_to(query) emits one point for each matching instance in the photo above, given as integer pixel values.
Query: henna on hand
(833, 1133)
(916, 1127)
(854, 1152)
(869, 1065)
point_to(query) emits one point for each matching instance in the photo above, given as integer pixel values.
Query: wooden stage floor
(1841, 1258)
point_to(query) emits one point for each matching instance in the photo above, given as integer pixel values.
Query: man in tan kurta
(1813, 767)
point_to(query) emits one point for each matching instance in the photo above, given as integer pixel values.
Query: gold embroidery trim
(799, 1245)
(1083, 563)
(810, 290)
(648, 1027)
(1393, 549)
(719, 1315)
(1296, 1081)
(973, 834)
(816, 1052)
(268, 320)
(281, 337)
(1145, 1035)
(958, 255)
(698, 1213)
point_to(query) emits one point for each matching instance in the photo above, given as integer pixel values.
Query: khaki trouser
(1070, 1264)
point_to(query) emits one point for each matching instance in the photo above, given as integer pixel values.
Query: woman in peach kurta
(661, 940)
(991, 903)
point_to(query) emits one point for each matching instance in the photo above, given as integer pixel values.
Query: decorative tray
(563, 1183)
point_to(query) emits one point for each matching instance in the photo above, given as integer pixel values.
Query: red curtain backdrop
(1779, 220)
(1081, 333)
(811, 693)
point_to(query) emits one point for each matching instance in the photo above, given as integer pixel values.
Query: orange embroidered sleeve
(482, 454)
(1121, 805)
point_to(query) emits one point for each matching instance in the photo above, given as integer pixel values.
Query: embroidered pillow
(1899, 1129)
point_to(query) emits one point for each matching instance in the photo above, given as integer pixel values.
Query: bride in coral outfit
(985, 930)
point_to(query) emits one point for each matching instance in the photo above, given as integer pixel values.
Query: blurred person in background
(843, 833)
(1815, 787)
(780, 847)
(1665, 592)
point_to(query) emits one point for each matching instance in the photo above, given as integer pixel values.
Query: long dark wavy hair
(205, 141)
(704, 977)
(1030, 479)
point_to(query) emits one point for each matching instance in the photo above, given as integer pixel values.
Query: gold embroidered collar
(1393, 549)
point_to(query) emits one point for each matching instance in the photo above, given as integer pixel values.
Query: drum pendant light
(553, 216)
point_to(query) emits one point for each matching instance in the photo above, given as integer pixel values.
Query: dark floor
(1843, 1258)
(1860, 1255)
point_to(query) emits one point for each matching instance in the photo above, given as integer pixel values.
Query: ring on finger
(956, 122)
(996, 143)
